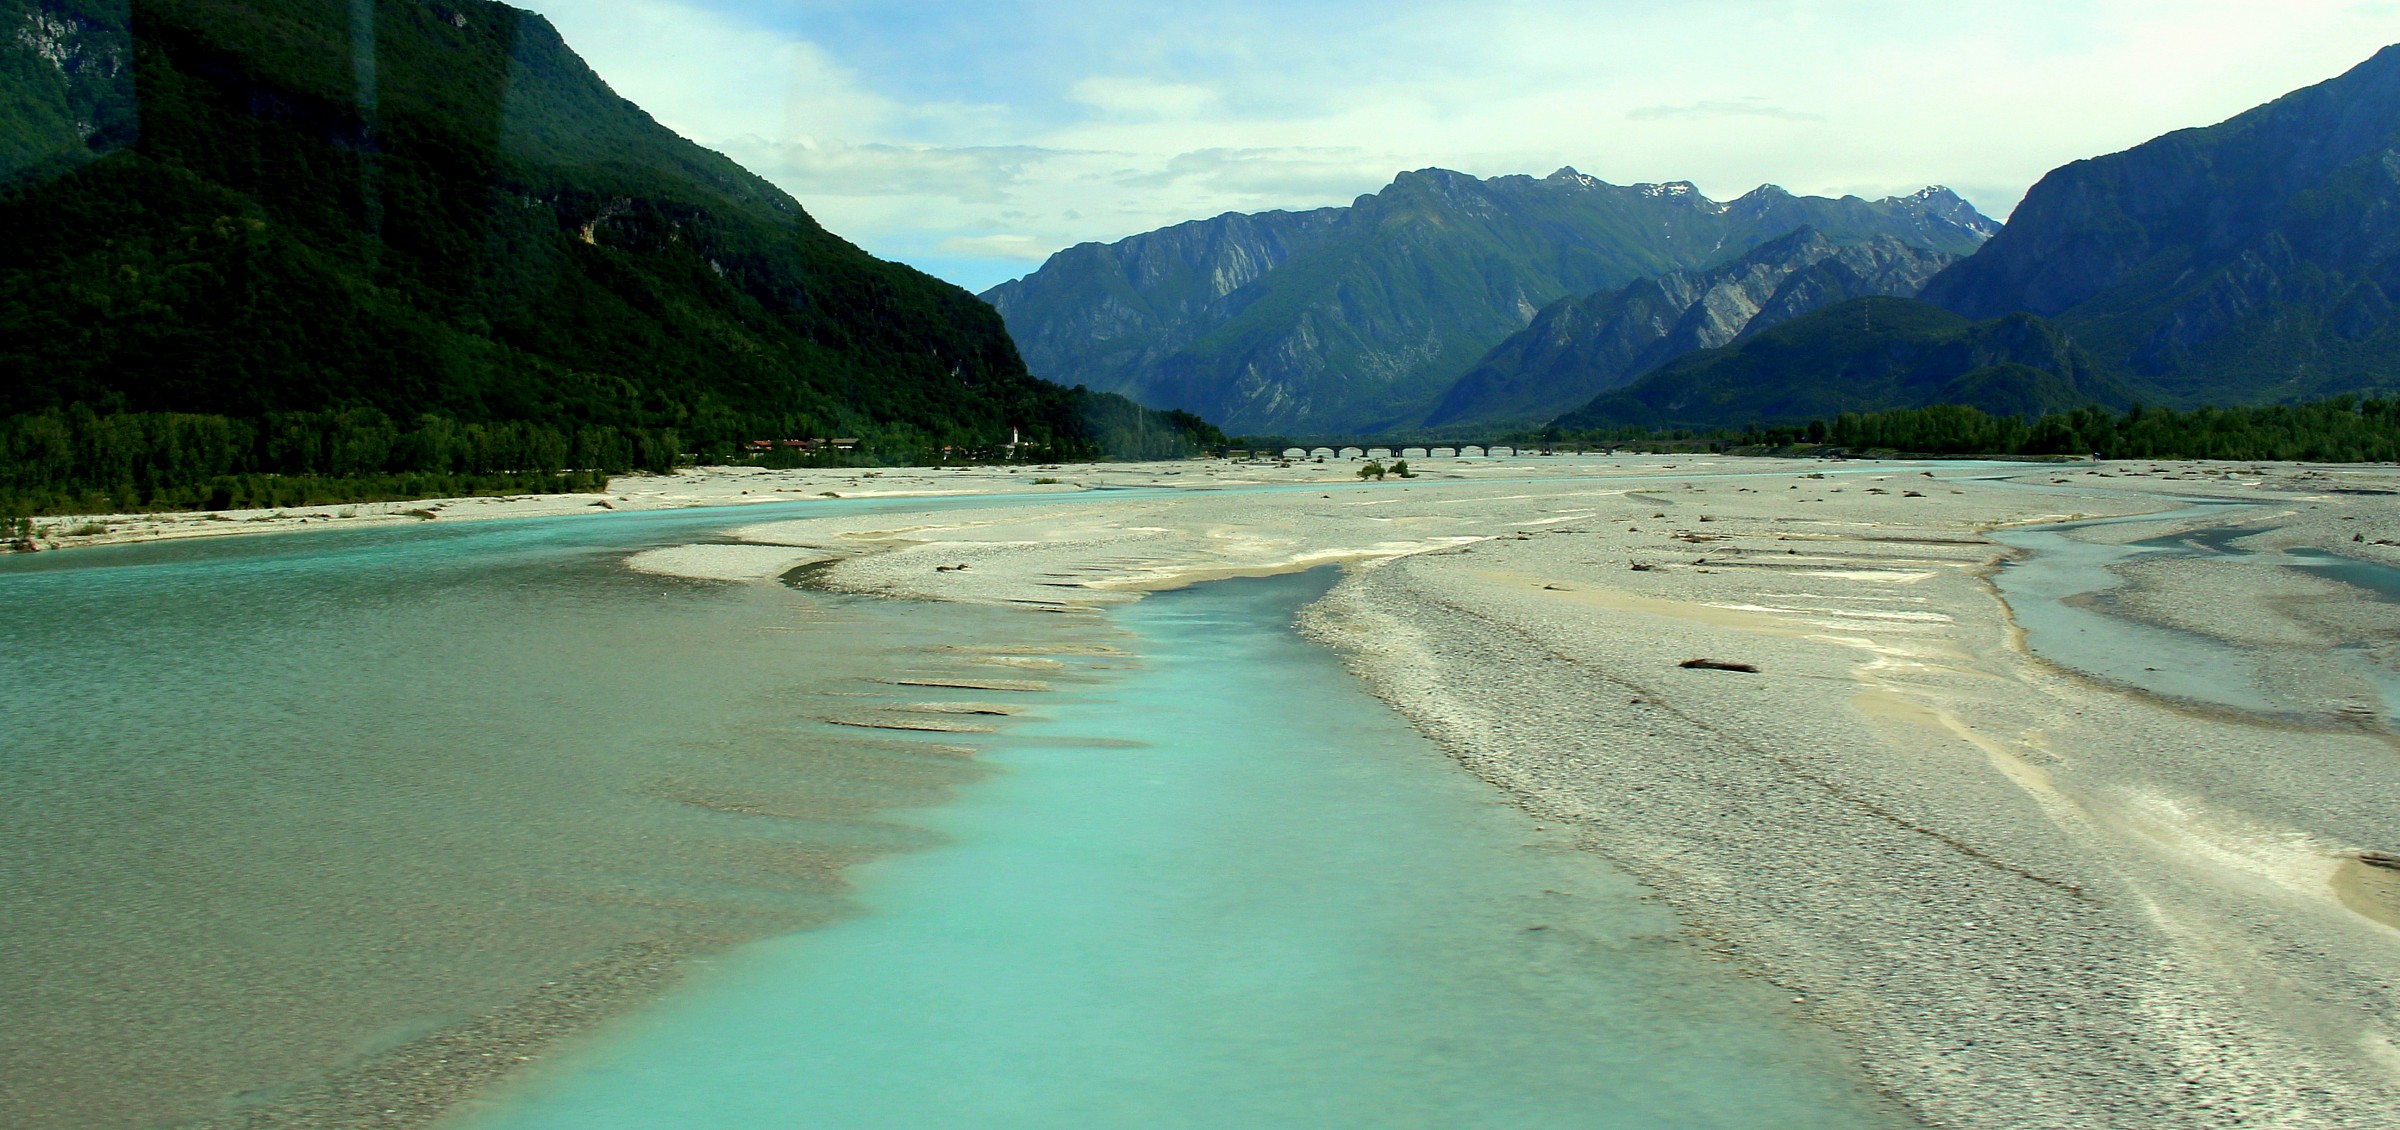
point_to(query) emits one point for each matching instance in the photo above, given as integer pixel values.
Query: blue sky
(974, 139)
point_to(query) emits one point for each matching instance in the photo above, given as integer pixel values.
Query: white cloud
(1143, 99)
(711, 77)
(1015, 248)
(1270, 175)
(1736, 108)
(912, 129)
(810, 169)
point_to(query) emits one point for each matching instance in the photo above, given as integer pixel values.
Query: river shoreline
(2024, 895)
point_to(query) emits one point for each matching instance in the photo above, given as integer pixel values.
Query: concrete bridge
(1385, 453)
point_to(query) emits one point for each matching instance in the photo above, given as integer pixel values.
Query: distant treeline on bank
(2341, 429)
(79, 461)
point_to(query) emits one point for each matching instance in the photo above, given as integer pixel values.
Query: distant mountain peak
(1673, 188)
(1938, 200)
(1359, 318)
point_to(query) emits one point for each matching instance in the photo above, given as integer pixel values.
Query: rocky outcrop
(1578, 348)
(1099, 311)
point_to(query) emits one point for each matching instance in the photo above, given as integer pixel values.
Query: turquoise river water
(1206, 881)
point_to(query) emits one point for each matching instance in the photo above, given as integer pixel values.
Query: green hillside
(407, 209)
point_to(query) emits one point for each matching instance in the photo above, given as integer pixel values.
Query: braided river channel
(475, 826)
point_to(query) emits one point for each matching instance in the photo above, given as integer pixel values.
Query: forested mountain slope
(2254, 260)
(400, 208)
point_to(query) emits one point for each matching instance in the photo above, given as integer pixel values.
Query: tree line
(77, 460)
(2340, 429)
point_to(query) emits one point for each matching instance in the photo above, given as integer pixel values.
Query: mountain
(434, 208)
(1580, 347)
(2254, 260)
(1865, 355)
(1356, 319)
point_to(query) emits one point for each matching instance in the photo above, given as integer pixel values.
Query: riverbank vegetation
(2341, 429)
(78, 461)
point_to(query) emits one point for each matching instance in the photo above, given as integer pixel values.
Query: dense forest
(2341, 429)
(420, 245)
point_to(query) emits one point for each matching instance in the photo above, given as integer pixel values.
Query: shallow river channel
(1206, 881)
(2063, 594)
(1225, 888)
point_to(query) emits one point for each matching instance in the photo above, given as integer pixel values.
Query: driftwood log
(1717, 665)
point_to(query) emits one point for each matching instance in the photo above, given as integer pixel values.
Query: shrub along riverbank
(80, 462)
(2341, 429)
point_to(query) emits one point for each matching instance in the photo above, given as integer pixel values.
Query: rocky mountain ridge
(1359, 318)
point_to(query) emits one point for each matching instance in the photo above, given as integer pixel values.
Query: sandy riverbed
(2028, 897)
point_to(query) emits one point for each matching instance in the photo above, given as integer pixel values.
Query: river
(280, 810)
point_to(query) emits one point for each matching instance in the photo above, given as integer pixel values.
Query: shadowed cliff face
(1578, 348)
(2254, 259)
(1349, 319)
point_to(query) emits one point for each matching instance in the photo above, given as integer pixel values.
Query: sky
(973, 139)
